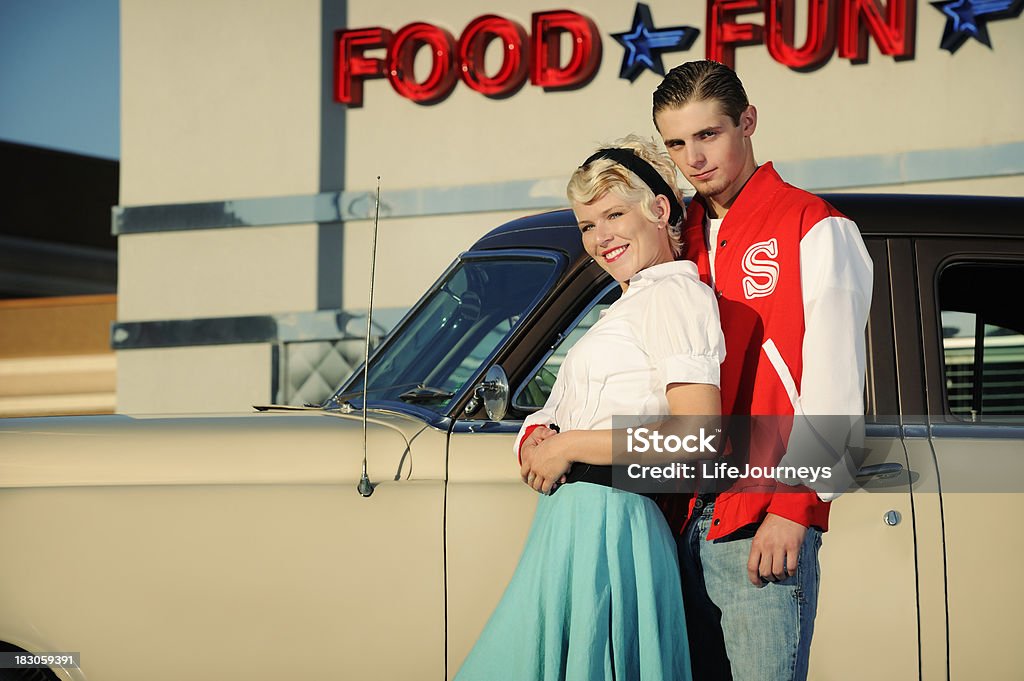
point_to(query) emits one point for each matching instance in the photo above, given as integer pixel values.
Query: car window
(435, 352)
(983, 341)
(531, 395)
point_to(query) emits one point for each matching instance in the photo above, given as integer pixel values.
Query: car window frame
(440, 419)
(556, 343)
(934, 256)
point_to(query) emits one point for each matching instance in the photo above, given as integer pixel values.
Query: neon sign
(841, 26)
(538, 55)
(833, 27)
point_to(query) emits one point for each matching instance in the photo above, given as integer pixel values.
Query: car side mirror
(493, 391)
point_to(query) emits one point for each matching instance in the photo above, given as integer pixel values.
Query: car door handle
(880, 470)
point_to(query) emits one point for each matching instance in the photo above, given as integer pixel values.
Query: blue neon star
(644, 44)
(968, 19)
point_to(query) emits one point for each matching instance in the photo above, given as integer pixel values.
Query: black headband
(628, 159)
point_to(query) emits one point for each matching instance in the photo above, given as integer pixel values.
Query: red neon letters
(547, 40)
(846, 22)
(894, 33)
(465, 58)
(402, 56)
(781, 26)
(472, 46)
(724, 35)
(352, 67)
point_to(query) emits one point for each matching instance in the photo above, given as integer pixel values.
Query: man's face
(712, 152)
(620, 238)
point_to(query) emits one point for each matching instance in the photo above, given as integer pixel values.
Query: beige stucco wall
(217, 272)
(219, 100)
(224, 99)
(934, 101)
(218, 378)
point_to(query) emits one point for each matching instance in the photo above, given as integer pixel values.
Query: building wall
(935, 101)
(219, 100)
(230, 101)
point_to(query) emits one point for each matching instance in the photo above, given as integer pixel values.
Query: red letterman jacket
(758, 284)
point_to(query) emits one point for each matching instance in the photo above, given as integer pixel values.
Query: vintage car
(303, 543)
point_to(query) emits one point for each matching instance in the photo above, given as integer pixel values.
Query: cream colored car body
(238, 546)
(210, 547)
(214, 547)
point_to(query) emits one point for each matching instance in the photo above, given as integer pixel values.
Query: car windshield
(454, 330)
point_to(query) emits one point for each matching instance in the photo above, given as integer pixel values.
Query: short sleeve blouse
(664, 329)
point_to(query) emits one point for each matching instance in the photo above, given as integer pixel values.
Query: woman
(596, 594)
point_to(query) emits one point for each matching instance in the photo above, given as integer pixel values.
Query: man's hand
(774, 551)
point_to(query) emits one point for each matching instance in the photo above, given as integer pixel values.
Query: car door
(973, 329)
(867, 621)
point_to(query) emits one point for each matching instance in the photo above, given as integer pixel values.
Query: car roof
(875, 214)
(555, 229)
(932, 214)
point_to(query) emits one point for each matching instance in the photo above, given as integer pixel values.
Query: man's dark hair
(698, 81)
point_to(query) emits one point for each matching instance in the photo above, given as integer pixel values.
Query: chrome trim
(915, 431)
(880, 469)
(430, 418)
(468, 426)
(883, 430)
(978, 431)
(493, 391)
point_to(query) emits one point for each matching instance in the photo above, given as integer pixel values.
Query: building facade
(253, 134)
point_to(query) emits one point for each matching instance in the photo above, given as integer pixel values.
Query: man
(793, 281)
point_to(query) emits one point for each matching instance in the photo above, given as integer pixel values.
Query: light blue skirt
(596, 595)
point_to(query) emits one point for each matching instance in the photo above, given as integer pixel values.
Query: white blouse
(664, 329)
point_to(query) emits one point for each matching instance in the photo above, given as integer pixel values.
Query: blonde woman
(596, 594)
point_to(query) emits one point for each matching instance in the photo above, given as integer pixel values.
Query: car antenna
(365, 486)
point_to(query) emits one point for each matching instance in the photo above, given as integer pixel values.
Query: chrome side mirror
(493, 390)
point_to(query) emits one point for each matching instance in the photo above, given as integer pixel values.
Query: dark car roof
(875, 214)
(536, 230)
(932, 215)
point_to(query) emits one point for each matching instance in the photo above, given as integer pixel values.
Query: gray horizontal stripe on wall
(905, 168)
(340, 207)
(326, 325)
(816, 175)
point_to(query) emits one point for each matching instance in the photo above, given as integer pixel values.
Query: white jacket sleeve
(836, 282)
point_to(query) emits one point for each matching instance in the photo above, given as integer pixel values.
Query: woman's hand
(529, 445)
(548, 462)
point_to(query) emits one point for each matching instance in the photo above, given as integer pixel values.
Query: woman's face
(620, 238)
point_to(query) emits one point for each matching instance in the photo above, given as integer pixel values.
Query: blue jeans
(738, 631)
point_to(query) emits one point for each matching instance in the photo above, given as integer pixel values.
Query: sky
(60, 75)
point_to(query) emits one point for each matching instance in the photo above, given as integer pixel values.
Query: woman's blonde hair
(593, 180)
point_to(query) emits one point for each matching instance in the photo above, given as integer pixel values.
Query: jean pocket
(745, 532)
